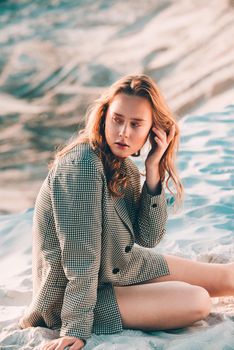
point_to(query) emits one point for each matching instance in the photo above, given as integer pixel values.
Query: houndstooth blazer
(84, 244)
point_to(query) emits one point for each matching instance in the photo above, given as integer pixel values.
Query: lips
(122, 144)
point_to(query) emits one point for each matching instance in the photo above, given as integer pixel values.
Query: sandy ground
(202, 230)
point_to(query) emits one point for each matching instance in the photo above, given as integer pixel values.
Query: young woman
(88, 273)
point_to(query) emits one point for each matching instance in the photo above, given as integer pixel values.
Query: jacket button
(154, 205)
(128, 248)
(115, 270)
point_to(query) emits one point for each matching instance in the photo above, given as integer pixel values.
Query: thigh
(162, 305)
(206, 275)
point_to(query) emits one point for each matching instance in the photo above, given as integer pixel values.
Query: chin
(120, 155)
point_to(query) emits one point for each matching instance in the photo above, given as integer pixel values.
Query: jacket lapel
(121, 209)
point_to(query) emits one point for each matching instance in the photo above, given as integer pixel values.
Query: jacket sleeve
(76, 192)
(151, 216)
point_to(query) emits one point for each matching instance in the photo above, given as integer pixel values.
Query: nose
(124, 130)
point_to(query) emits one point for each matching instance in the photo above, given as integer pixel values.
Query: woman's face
(127, 125)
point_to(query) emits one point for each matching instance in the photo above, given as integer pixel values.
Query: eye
(116, 119)
(135, 124)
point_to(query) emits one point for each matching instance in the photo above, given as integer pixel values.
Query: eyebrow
(136, 119)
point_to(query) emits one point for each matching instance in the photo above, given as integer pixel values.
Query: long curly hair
(94, 133)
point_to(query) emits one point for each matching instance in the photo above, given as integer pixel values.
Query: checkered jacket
(83, 239)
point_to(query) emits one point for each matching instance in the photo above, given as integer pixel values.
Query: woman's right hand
(63, 342)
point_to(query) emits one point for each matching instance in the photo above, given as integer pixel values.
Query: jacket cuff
(74, 331)
(153, 200)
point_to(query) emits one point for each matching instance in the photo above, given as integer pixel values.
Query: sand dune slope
(58, 56)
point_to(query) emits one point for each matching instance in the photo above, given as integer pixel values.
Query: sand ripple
(202, 231)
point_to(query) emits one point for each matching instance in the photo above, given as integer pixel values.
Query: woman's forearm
(153, 180)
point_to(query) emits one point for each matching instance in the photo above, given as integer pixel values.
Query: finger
(60, 347)
(162, 138)
(158, 141)
(171, 133)
(51, 347)
(63, 343)
(78, 345)
(160, 133)
(48, 345)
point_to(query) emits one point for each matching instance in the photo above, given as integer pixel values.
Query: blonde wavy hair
(94, 133)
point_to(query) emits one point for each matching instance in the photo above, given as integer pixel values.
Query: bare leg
(176, 300)
(217, 279)
(162, 305)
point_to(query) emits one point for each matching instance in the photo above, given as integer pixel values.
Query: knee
(228, 278)
(201, 303)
